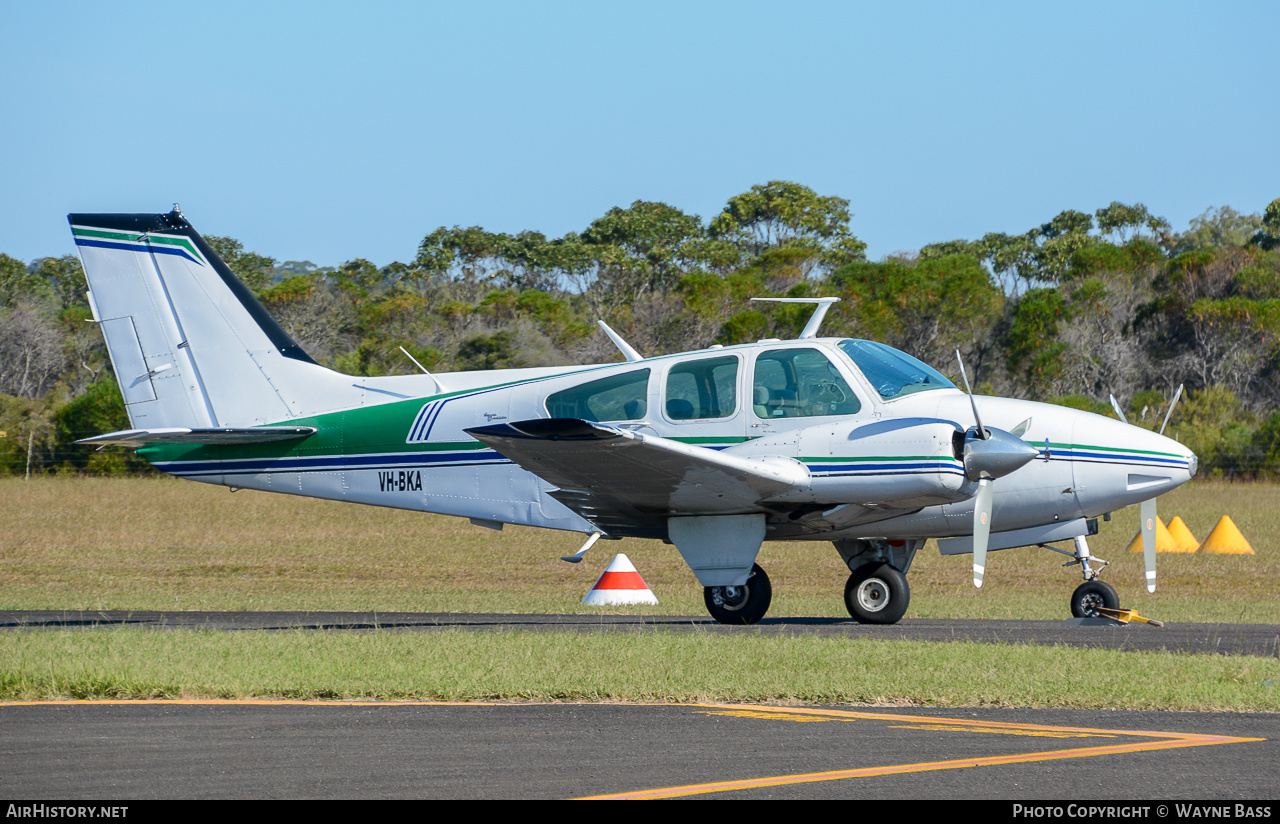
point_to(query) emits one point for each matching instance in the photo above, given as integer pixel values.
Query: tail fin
(191, 345)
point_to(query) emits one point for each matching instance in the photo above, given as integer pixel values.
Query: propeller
(1169, 414)
(1147, 514)
(1115, 404)
(1147, 509)
(988, 454)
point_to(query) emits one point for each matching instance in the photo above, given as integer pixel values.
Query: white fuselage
(887, 470)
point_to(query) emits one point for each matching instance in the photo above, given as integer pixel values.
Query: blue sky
(330, 131)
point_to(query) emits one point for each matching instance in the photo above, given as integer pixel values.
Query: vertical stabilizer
(190, 344)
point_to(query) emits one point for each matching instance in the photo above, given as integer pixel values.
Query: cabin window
(800, 383)
(701, 389)
(893, 373)
(617, 398)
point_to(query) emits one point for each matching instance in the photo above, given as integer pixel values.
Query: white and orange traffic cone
(620, 584)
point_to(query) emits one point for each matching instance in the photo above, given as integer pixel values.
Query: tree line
(1081, 307)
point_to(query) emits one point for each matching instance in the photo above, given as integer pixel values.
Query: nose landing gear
(1093, 594)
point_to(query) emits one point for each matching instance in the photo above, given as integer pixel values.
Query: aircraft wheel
(1093, 594)
(877, 594)
(740, 605)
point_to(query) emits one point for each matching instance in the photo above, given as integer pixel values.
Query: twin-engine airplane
(714, 451)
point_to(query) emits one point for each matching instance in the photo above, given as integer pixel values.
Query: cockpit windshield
(893, 373)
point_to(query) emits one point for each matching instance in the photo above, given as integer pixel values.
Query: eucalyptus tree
(784, 214)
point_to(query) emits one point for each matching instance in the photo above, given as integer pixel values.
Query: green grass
(77, 543)
(652, 666)
(99, 543)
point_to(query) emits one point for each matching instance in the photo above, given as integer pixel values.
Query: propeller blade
(981, 529)
(982, 432)
(1115, 404)
(1167, 415)
(1148, 511)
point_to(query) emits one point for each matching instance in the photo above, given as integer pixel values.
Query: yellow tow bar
(1124, 616)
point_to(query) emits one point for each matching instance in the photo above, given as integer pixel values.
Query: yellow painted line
(1169, 741)
(1001, 731)
(773, 716)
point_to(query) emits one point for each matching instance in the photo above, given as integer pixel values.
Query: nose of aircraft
(1165, 451)
(1118, 464)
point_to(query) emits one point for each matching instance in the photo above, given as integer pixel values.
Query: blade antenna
(577, 556)
(627, 350)
(439, 386)
(821, 305)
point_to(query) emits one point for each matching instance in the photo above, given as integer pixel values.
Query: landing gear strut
(743, 604)
(1093, 593)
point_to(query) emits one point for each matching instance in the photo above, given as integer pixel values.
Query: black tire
(740, 605)
(1093, 594)
(877, 594)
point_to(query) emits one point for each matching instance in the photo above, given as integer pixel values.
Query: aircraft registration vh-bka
(714, 451)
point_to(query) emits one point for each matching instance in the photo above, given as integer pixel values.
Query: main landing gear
(877, 591)
(877, 594)
(743, 604)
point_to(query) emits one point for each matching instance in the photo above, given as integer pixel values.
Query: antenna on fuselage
(439, 386)
(627, 350)
(819, 312)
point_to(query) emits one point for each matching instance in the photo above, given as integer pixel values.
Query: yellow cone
(1226, 540)
(1164, 541)
(1182, 536)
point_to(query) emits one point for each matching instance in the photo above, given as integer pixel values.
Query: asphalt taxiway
(166, 750)
(283, 749)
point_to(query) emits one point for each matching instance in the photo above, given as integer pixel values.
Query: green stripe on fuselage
(1124, 449)
(879, 458)
(363, 430)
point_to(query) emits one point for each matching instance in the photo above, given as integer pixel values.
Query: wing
(627, 483)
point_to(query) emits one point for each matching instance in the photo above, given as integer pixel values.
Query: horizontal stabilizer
(225, 435)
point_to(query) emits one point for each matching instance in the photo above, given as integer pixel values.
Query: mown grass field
(84, 543)
(158, 543)
(658, 666)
